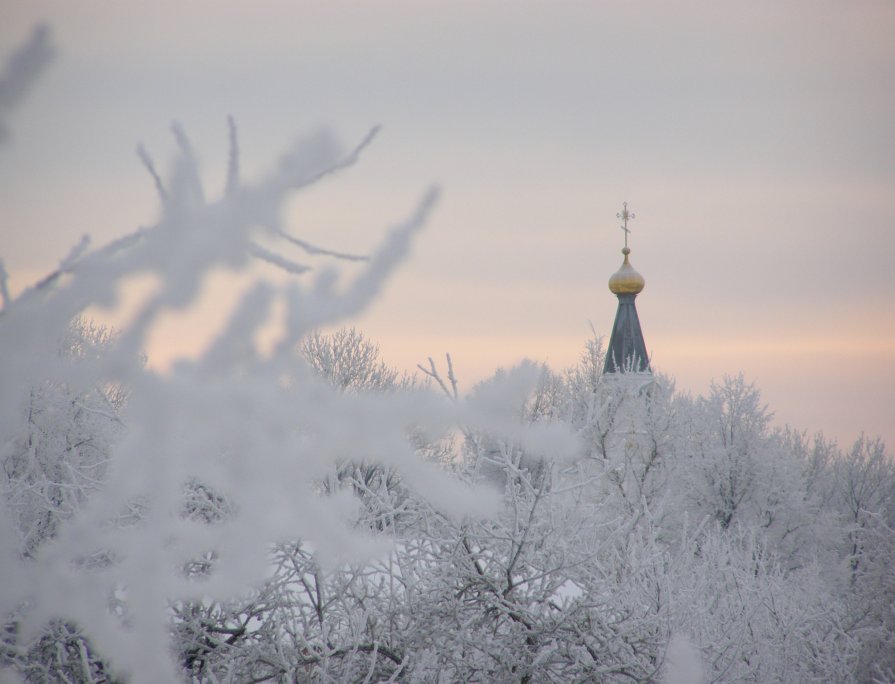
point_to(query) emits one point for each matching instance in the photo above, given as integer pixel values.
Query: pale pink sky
(754, 141)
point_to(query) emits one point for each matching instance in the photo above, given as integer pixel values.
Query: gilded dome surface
(626, 280)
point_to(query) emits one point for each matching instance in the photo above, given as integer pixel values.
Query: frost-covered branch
(22, 69)
(4, 286)
(261, 446)
(432, 372)
(150, 168)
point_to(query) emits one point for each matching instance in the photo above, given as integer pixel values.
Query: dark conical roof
(627, 350)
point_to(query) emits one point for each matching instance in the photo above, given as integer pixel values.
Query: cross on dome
(625, 215)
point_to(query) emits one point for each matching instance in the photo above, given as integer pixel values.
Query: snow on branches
(111, 505)
(310, 515)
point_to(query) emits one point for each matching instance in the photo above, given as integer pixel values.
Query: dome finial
(626, 280)
(624, 215)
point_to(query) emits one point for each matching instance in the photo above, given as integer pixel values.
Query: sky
(753, 141)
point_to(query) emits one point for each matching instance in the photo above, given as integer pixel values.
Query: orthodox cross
(624, 215)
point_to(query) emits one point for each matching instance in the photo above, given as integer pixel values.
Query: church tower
(627, 350)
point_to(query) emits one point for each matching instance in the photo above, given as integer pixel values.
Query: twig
(286, 264)
(4, 287)
(314, 249)
(233, 161)
(150, 167)
(451, 376)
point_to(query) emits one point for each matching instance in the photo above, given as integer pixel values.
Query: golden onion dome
(626, 280)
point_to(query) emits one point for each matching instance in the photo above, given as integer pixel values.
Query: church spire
(627, 351)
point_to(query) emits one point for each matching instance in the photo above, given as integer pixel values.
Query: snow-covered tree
(60, 455)
(310, 515)
(350, 361)
(126, 540)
